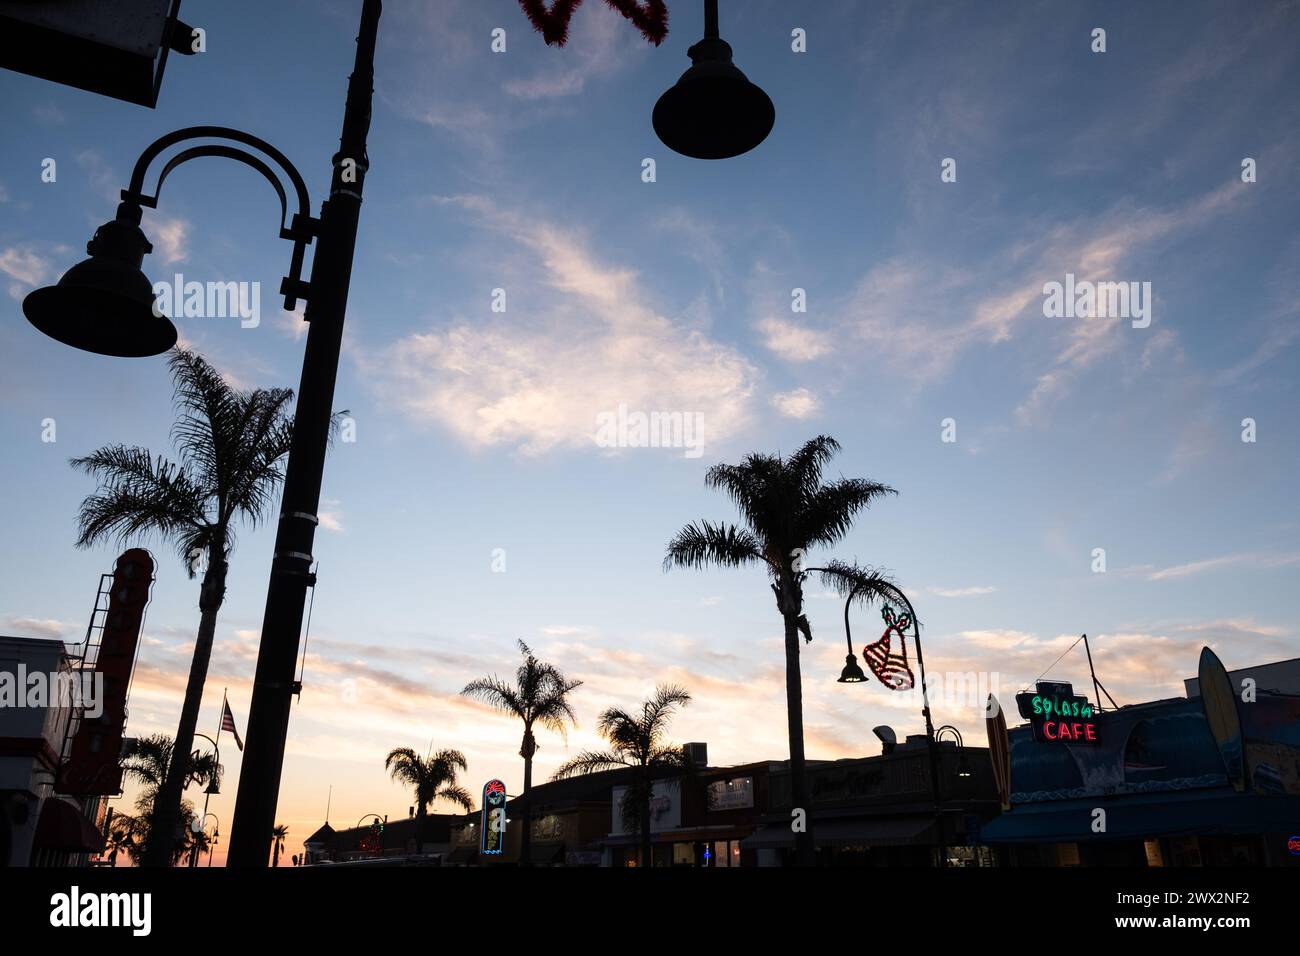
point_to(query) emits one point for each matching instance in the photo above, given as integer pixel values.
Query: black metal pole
(331, 273)
(932, 747)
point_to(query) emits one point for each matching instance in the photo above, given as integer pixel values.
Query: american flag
(228, 723)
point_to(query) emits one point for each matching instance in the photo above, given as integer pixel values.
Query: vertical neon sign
(493, 840)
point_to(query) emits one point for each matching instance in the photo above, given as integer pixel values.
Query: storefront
(881, 811)
(1209, 780)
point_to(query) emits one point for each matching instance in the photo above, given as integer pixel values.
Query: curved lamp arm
(300, 229)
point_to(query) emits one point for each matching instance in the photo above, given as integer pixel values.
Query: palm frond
(590, 762)
(830, 509)
(496, 693)
(807, 463)
(457, 795)
(138, 496)
(701, 544)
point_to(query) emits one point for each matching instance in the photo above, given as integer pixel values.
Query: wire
(1054, 663)
(302, 669)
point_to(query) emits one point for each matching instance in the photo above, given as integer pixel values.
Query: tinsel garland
(649, 16)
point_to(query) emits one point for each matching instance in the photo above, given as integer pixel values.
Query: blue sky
(475, 428)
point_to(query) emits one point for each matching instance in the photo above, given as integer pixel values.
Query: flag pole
(221, 717)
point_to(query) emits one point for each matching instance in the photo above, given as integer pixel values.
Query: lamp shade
(105, 304)
(713, 111)
(852, 673)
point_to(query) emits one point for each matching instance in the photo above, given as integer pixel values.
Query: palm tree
(539, 697)
(637, 741)
(121, 838)
(432, 778)
(149, 765)
(787, 510)
(232, 445)
(279, 833)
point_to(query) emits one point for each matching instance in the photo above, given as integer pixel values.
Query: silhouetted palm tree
(232, 445)
(431, 778)
(121, 838)
(148, 764)
(637, 741)
(787, 510)
(278, 833)
(539, 697)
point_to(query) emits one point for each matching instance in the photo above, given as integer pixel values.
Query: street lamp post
(331, 273)
(852, 674)
(105, 305)
(214, 786)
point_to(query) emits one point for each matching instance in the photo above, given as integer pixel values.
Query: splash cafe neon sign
(1058, 715)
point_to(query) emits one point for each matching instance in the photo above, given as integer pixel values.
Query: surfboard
(995, 723)
(1220, 705)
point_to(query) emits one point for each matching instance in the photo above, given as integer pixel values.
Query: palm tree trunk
(419, 830)
(526, 838)
(803, 842)
(166, 806)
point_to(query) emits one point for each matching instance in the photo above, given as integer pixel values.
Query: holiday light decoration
(890, 666)
(648, 16)
(372, 841)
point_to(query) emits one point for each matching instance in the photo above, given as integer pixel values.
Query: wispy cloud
(589, 339)
(1251, 559)
(974, 591)
(27, 268)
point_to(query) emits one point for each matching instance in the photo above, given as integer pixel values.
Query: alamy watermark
(1098, 300)
(82, 689)
(209, 300)
(629, 429)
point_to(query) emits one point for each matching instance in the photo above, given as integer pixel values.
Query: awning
(863, 831)
(545, 854)
(463, 854)
(63, 827)
(1137, 816)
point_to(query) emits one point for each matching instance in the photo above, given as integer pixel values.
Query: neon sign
(1058, 715)
(493, 840)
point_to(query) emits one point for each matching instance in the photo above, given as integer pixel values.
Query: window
(721, 855)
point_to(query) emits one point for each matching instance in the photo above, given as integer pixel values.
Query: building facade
(39, 827)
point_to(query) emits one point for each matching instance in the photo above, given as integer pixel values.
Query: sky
(477, 505)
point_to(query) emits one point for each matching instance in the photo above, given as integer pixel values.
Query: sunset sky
(475, 428)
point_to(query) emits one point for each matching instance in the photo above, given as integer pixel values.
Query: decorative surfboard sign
(493, 839)
(995, 723)
(1220, 705)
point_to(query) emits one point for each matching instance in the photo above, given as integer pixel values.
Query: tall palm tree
(432, 778)
(539, 698)
(149, 765)
(638, 741)
(786, 510)
(232, 446)
(278, 833)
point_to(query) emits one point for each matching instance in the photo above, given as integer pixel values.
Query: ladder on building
(86, 660)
